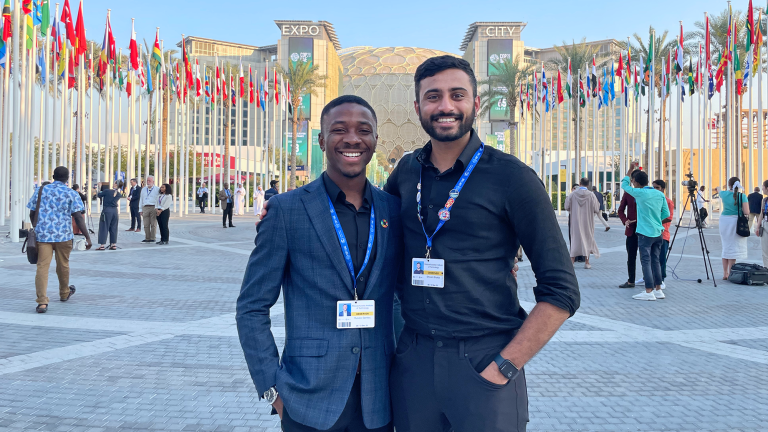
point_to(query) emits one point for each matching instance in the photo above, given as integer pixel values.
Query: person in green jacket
(651, 210)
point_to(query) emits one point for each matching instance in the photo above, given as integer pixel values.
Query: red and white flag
(197, 79)
(134, 50)
(242, 80)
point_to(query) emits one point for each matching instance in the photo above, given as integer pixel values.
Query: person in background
(701, 205)
(759, 230)
(600, 199)
(76, 188)
(661, 186)
(53, 228)
(583, 207)
(134, 196)
(147, 202)
(628, 216)
(580, 258)
(755, 201)
(164, 201)
(272, 191)
(202, 197)
(109, 217)
(258, 201)
(734, 245)
(239, 200)
(227, 201)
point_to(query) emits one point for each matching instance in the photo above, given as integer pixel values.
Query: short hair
(704, 187)
(342, 100)
(584, 181)
(134, 180)
(757, 189)
(661, 183)
(641, 178)
(434, 65)
(594, 188)
(77, 186)
(273, 183)
(150, 177)
(61, 174)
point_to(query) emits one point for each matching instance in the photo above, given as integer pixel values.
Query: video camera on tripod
(691, 184)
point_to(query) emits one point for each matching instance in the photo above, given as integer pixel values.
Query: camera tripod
(702, 241)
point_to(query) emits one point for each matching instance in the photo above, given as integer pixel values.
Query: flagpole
(176, 138)
(5, 169)
(15, 161)
(699, 137)
(760, 174)
(559, 145)
(690, 127)
(679, 144)
(41, 113)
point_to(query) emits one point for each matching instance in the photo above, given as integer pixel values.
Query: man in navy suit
(335, 241)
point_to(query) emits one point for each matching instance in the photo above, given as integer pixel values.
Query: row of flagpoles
(628, 92)
(56, 56)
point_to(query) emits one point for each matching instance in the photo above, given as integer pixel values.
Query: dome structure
(384, 77)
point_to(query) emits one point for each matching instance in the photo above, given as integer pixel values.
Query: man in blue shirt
(651, 210)
(227, 203)
(53, 229)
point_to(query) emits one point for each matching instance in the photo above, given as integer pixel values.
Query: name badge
(428, 272)
(353, 314)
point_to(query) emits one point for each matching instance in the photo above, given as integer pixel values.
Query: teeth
(352, 154)
(446, 120)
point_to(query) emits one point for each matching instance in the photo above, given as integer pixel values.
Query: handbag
(30, 243)
(742, 223)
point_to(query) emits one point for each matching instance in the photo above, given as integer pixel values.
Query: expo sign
(300, 30)
(500, 31)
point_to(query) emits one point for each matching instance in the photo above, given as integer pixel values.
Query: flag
(266, 85)
(737, 65)
(719, 74)
(119, 68)
(697, 78)
(207, 88)
(620, 71)
(758, 42)
(217, 78)
(80, 44)
(3, 51)
(664, 73)
(637, 84)
(522, 104)
(71, 68)
(750, 28)
(535, 90)
(707, 43)
(134, 55)
(66, 19)
(679, 53)
(589, 83)
(582, 99)
(149, 77)
(30, 33)
(250, 85)
(648, 69)
(232, 88)
(198, 84)
(594, 78)
(282, 86)
(242, 80)
(157, 54)
(691, 84)
(45, 21)
(568, 83)
(559, 89)
(26, 6)
(544, 88)
(262, 102)
(612, 84)
(274, 84)
(642, 83)
(41, 65)
(62, 59)
(7, 26)
(103, 59)
(287, 97)
(37, 13)
(187, 65)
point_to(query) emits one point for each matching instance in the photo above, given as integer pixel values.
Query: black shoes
(231, 226)
(71, 293)
(147, 241)
(627, 285)
(224, 226)
(162, 243)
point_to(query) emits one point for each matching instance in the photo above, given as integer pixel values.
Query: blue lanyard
(452, 199)
(345, 246)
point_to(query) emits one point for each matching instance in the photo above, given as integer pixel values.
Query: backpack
(748, 274)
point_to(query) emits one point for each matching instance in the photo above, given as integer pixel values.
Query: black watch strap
(506, 367)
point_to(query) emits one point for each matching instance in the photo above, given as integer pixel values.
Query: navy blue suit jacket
(297, 249)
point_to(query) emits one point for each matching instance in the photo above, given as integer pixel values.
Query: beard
(465, 125)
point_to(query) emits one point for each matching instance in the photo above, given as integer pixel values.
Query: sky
(422, 24)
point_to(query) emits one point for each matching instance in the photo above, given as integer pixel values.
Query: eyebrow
(365, 122)
(434, 90)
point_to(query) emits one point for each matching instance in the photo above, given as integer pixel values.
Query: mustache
(457, 116)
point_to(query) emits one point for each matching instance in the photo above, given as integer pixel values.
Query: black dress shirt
(110, 197)
(503, 205)
(356, 224)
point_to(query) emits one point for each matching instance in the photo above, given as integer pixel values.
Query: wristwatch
(270, 395)
(507, 368)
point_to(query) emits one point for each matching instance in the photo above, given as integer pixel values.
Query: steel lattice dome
(384, 77)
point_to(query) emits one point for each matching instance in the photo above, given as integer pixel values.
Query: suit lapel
(382, 238)
(316, 203)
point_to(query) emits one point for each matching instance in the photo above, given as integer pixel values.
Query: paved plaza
(149, 342)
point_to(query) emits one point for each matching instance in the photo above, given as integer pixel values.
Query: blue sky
(437, 25)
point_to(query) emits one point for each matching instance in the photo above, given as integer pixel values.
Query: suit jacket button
(355, 350)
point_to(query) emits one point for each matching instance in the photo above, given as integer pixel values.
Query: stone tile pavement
(149, 343)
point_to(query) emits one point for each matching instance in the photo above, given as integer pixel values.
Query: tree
(581, 56)
(504, 88)
(304, 79)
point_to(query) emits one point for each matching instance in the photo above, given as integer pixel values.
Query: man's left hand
(493, 374)
(515, 269)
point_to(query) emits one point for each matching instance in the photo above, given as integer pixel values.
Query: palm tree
(505, 88)
(661, 47)
(304, 79)
(581, 55)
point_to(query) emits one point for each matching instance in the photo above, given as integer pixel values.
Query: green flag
(46, 12)
(691, 85)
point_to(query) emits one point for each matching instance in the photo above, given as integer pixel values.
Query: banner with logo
(499, 50)
(301, 49)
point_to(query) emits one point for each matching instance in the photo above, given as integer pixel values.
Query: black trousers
(227, 213)
(631, 257)
(201, 202)
(135, 217)
(108, 225)
(436, 386)
(351, 419)
(162, 224)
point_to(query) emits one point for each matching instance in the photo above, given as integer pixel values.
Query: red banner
(216, 160)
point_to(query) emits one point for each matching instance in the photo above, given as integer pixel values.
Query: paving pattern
(149, 342)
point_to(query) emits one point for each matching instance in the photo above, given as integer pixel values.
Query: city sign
(300, 30)
(498, 31)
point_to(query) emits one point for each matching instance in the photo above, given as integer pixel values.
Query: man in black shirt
(272, 191)
(134, 195)
(459, 359)
(755, 206)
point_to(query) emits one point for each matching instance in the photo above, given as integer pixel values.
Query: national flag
(129, 84)
(3, 54)
(242, 80)
(535, 90)
(66, 19)
(589, 83)
(262, 91)
(232, 87)
(224, 93)
(620, 71)
(62, 59)
(120, 72)
(26, 6)
(198, 84)
(528, 95)
(282, 87)
(568, 83)
(720, 73)
(691, 84)
(707, 43)
(250, 85)
(30, 33)
(277, 95)
(737, 65)
(559, 89)
(187, 65)
(522, 104)
(41, 65)
(81, 43)
(582, 99)
(266, 85)
(37, 13)
(134, 55)
(606, 90)
(679, 53)
(758, 42)
(750, 28)
(288, 99)
(594, 78)
(149, 77)
(208, 98)
(648, 69)
(637, 85)
(217, 78)
(103, 60)
(642, 80)
(157, 54)
(697, 78)
(544, 88)
(71, 68)
(7, 26)
(45, 19)
(664, 78)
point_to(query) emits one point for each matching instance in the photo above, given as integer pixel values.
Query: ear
(477, 103)
(321, 141)
(416, 107)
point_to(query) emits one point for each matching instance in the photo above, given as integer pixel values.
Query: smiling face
(418, 266)
(162, 189)
(348, 139)
(150, 182)
(446, 106)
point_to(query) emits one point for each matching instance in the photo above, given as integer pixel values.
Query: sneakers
(649, 296)
(627, 284)
(663, 286)
(659, 294)
(639, 281)
(587, 266)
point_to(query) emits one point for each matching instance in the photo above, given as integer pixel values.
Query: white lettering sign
(300, 30)
(499, 31)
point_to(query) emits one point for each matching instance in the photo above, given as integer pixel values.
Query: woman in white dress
(239, 199)
(258, 201)
(734, 245)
